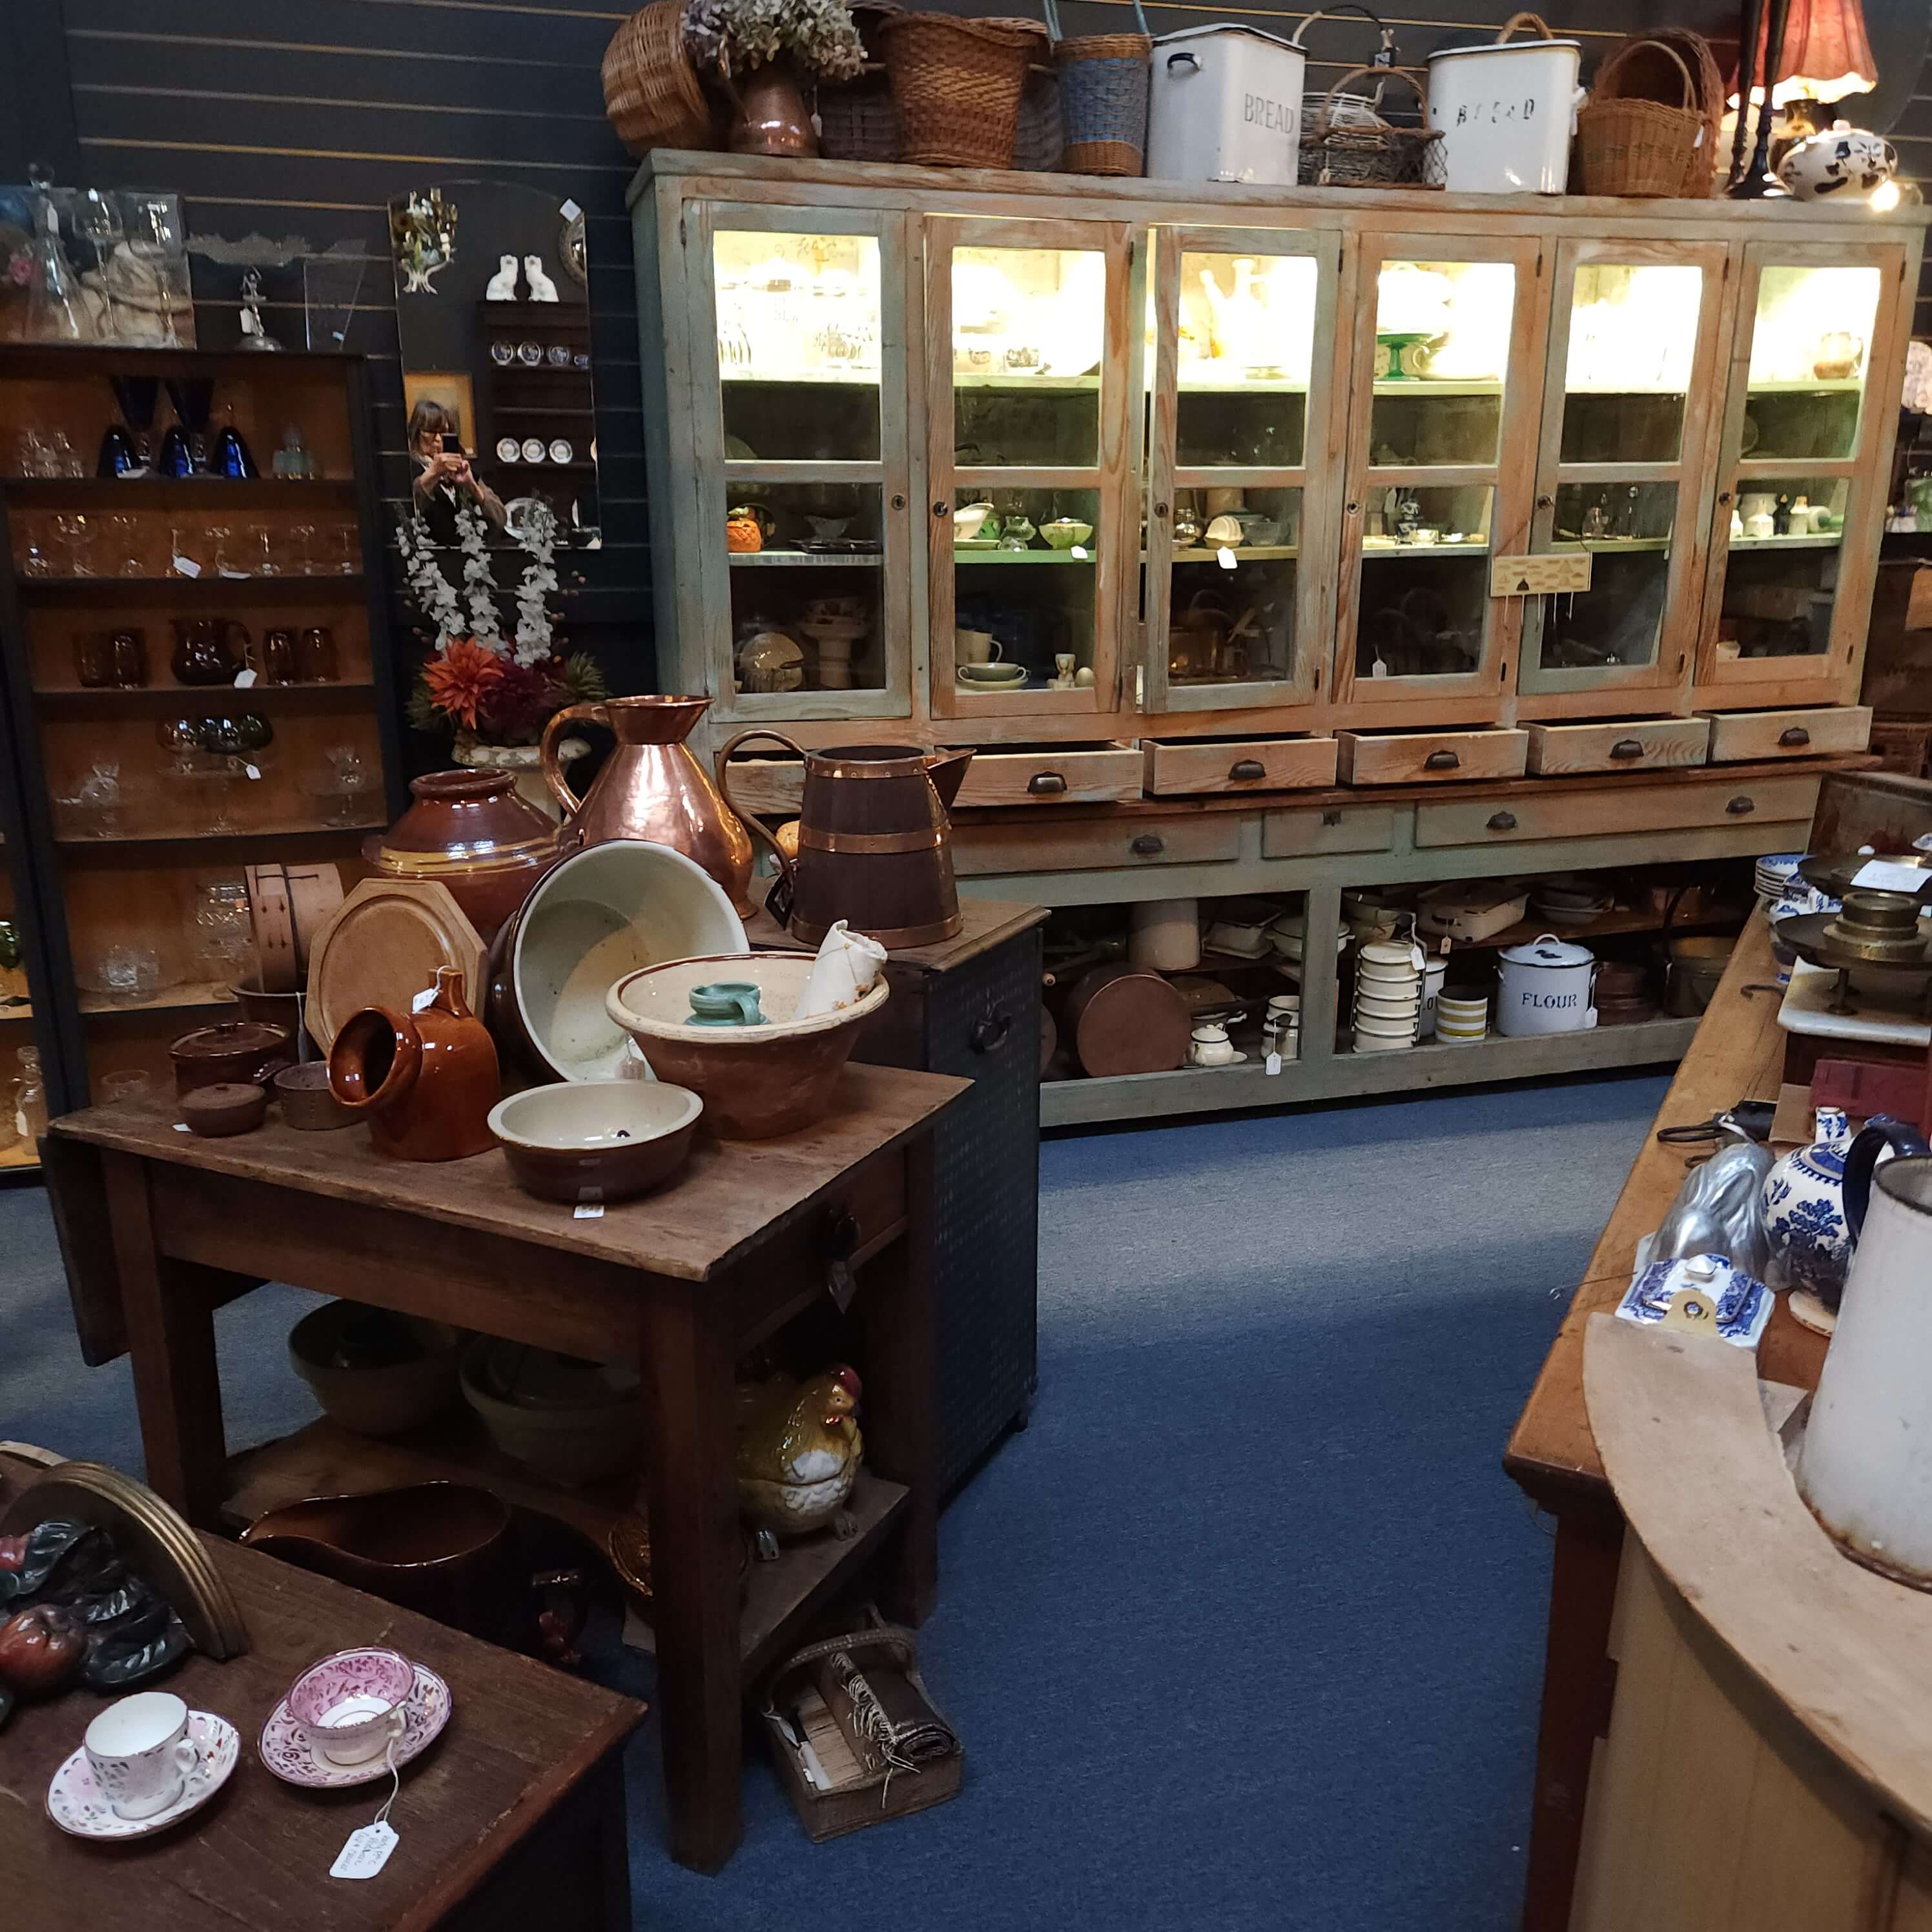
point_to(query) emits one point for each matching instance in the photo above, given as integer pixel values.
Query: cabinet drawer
(1091, 844)
(1237, 764)
(1559, 750)
(1053, 774)
(1736, 736)
(1590, 815)
(1431, 758)
(1343, 828)
(769, 787)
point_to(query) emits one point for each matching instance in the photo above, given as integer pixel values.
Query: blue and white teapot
(1804, 1207)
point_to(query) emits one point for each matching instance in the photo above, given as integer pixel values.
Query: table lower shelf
(1204, 1089)
(325, 1459)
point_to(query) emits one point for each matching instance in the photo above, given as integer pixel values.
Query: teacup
(976, 647)
(140, 1752)
(351, 1704)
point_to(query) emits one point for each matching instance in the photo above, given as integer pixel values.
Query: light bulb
(1884, 198)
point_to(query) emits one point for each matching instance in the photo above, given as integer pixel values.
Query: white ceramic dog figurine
(542, 288)
(503, 284)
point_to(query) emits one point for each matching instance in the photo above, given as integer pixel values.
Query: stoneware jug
(1865, 1468)
(875, 842)
(1803, 1205)
(425, 1080)
(651, 787)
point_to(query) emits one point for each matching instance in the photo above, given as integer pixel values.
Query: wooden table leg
(687, 1370)
(1579, 1680)
(895, 1307)
(170, 1316)
(613, 1844)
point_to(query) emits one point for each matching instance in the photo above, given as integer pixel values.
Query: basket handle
(1385, 58)
(1051, 9)
(1418, 83)
(1630, 48)
(1525, 19)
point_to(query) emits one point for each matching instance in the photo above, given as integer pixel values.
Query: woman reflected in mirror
(443, 477)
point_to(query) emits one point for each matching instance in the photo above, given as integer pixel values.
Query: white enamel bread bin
(1506, 109)
(1226, 106)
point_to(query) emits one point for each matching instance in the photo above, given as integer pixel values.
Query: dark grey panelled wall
(304, 120)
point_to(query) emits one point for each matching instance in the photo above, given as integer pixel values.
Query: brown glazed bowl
(236, 1051)
(471, 832)
(307, 1103)
(596, 1140)
(374, 1373)
(280, 1010)
(229, 1107)
(756, 1082)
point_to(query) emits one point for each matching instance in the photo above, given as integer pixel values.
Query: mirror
(493, 311)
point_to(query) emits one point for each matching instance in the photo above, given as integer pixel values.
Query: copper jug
(651, 787)
(875, 842)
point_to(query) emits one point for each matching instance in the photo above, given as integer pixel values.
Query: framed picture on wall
(452, 389)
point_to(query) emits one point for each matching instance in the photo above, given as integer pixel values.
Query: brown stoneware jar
(470, 832)
(238, 1052)
(425, 1080)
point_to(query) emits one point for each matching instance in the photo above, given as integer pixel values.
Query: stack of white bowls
(1461, 1018)
(1388, 995)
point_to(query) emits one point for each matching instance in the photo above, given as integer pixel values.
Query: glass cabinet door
(801, 461)
(1794, 541)
(1629, 424)
(1030, 365)
(1440, 465)
(1236, 601)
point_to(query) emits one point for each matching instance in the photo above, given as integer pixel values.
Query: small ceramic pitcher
(725, 1002)
(1804, 1207)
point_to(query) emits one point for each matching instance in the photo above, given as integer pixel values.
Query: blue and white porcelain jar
(1804, 1205)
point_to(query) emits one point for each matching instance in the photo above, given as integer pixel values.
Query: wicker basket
(651, 93)
(1628, 146)
(956, 84)
(1040, 140)
(1654, 79)
(1104, 81)
(1353, 146)
(857, 119)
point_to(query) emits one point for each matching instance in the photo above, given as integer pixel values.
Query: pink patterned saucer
(76, 1803)
(285, 1749)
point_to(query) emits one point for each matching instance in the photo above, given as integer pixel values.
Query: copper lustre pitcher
(651, 787)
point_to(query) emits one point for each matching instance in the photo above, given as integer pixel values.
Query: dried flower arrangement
(731, 37)
(484, 687)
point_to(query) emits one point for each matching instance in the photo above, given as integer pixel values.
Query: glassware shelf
(1424, 550)
(1019, 557)
(804, 559)
(1824, 540)
(188, 997)
(1260, 553)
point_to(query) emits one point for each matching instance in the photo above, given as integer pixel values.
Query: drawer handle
(1247, 768)
(1502, 821)
(1796, 736)
(1441, 761)
(1147, 845)
(989, 1035)
(1627, 748)
(1046, 784)
(1739, 806)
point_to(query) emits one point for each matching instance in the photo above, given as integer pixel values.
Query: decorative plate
(559, 354)
(76, 1805)
(502, 353)
(530, 354)
(508, 449)
(284, 1748)
(533, 449)
(560, 452)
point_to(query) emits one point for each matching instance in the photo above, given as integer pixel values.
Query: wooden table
(514, 1816)
(1738, 1054)
(160, 1228)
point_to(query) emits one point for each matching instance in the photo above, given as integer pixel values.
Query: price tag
(1078, 550)
(182, 1127)
(245, 680)
(423, 1000)
(588, 1211)
(569, 210)
(1880, 875)
(186, 566)
(1225, 557)
(253, 771)
(365, 1854)
(1274, 1064)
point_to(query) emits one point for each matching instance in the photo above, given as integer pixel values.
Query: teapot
(426, 1081)
(1865, 1466)
(875, 842)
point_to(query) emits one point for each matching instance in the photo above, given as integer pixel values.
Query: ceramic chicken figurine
(799, 1451)
(503, 285)
(542, 288)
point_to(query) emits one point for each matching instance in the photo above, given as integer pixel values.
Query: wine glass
(98, 221)
(156, 239)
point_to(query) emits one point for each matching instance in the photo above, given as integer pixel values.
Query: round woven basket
(1626, 146)
(956, 84)
(651, 94)
(1653, 80)
(1340, 149)
(1104, 81)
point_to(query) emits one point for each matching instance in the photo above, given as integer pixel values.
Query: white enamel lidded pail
(1226, 106)
(1506, 108)
(1545, 986)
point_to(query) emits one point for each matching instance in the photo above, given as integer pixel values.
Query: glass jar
(30, 1098)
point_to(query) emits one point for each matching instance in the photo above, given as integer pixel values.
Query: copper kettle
(651, 787)
(875, 842)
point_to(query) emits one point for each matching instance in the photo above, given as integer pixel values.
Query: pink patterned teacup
(351, 1704)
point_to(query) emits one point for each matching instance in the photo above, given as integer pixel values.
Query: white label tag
(1225, 557)
(236, 576)
(569, 210)
(182, 1127)
(1883, 875)
(253, 771)
(244, 679)
(365, 1854)
(1078, 550)
(1274, 1064)
(588, 1211)
(186, 566)
(423, 1000)
(1378, 669)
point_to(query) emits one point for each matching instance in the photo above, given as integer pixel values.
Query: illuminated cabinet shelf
(1286, 442)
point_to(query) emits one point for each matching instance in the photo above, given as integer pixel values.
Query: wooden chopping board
(381, 947)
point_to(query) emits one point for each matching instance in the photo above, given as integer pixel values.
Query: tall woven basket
(1347, 143)
(956, 84)
(651, 93)
(1628, 145)
(857, 119)
(1105, 79)
(1651, 77)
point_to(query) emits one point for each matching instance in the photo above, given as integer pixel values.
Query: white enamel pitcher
(1866, 1466)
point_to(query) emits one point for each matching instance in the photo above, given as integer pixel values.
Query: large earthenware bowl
(374, 1373)
(596, 1140)
(574, 1421)
(756, 1080)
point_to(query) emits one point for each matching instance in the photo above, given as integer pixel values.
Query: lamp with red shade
(1798, 56)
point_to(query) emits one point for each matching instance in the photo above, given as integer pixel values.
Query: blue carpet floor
(1245, 1631)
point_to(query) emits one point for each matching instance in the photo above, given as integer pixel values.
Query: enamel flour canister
(1226, 106)
(1544, 986)
(1505, 109)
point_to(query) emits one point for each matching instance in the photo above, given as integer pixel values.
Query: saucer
(285, 1748)
(75, 1803)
